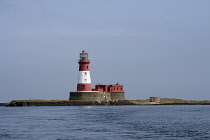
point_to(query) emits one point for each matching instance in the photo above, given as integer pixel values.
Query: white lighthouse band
(84, 77)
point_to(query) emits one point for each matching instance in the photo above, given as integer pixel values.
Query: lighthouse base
(97, 96)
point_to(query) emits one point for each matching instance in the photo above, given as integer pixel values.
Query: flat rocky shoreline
(66, 103)
(4, 104)
(24, 103)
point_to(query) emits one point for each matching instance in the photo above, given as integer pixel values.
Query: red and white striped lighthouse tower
(84, 81)
(100, 92)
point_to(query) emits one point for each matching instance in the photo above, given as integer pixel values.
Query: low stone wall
(115, 96)
(90, 96)
(97, 96)
(155, 99)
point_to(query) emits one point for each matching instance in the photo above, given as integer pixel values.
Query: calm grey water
(105, 122)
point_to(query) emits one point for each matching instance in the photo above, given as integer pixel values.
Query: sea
(132, 122)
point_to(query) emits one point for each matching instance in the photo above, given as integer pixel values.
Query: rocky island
(162, 101)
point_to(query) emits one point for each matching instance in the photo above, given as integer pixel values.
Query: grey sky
(154, 48)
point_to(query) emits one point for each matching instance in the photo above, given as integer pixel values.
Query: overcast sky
(152, 47)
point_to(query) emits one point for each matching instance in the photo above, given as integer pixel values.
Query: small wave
(4, 135)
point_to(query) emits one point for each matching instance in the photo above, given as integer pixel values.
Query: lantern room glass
(83, 56)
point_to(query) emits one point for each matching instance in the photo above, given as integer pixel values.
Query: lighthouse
(100, 92)
(84, 80)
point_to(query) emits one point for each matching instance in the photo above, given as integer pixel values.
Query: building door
(108, 89)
